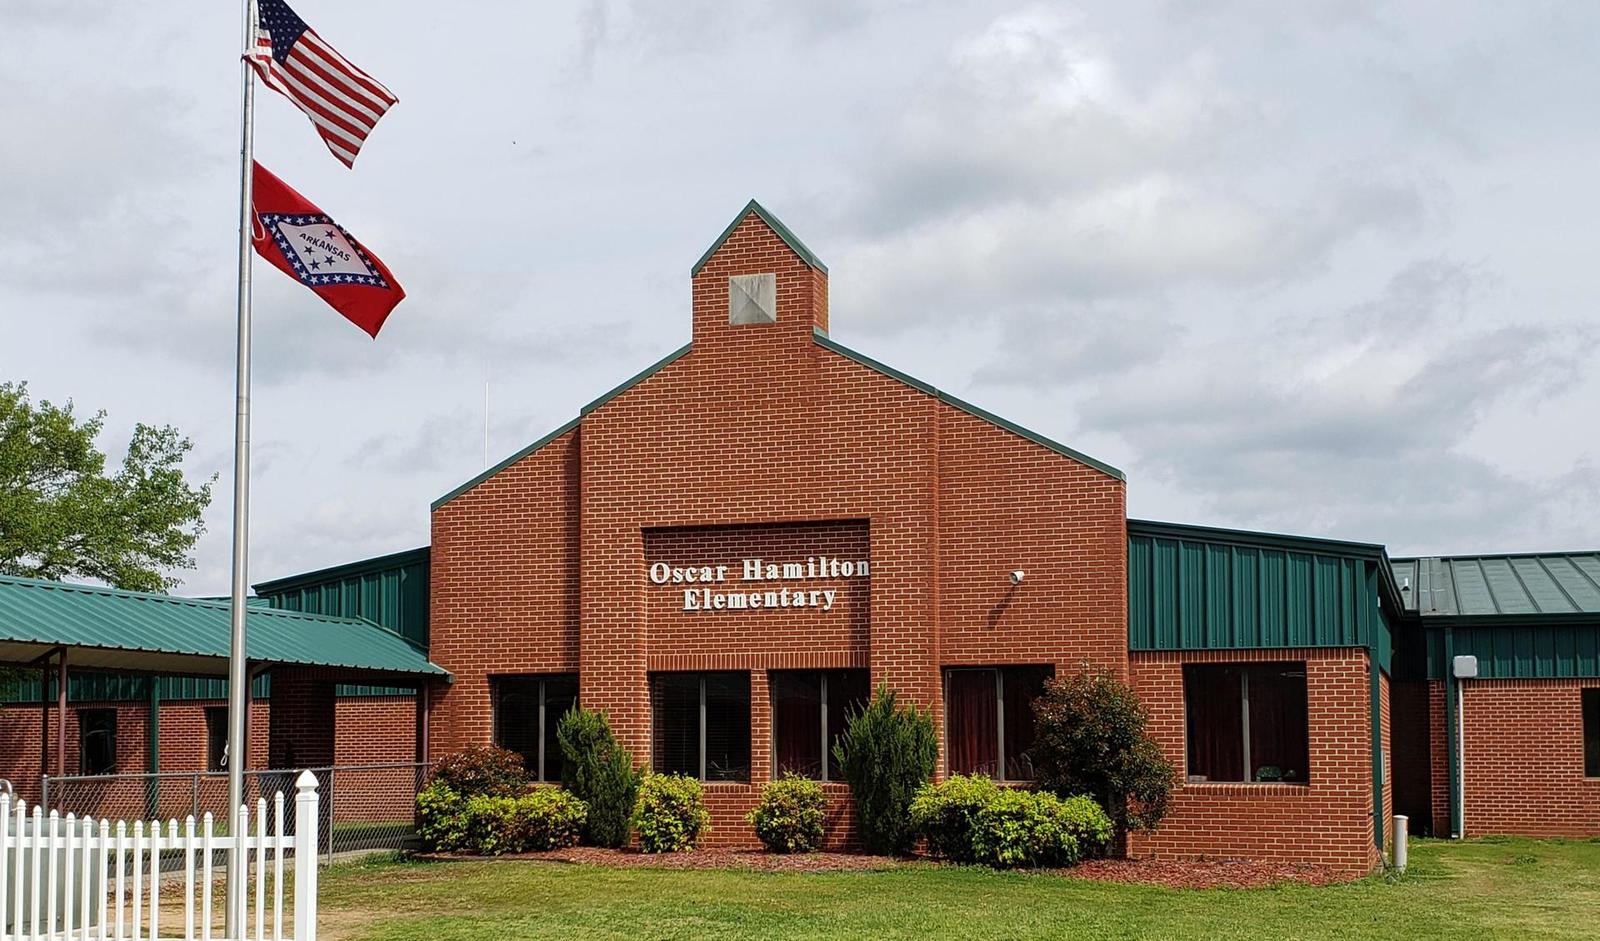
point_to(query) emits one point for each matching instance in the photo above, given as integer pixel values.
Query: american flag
(343, 102)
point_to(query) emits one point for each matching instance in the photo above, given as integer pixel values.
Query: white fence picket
(67, 879)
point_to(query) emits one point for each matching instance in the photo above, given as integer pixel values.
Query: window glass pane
(1591, 733)
(1215, 708)
(1022, 686)
(216, 738)
(676, 724)
(516, 717)
(97, 741)
(1279, 750)
(972, 735)
(848, 693)
(560, 695)
(797, 723)
(727, 726)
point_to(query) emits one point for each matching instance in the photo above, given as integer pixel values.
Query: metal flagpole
(238, 679)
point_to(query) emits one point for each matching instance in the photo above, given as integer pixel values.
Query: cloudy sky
(1325, 268)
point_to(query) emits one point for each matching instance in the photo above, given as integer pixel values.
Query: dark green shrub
(1035, 828)
(789, 816)
(943, 813)
(1091, 740)
(887, 751)
(672, 813)
(599, 772)
(482, 769)
(441, 818)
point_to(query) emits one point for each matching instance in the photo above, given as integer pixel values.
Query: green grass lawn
(1491, 888)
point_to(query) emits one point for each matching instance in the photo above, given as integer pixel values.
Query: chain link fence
(363, 808)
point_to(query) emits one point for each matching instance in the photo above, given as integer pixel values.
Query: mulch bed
(1198, 874)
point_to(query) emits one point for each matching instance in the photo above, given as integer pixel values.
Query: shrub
(943, 813)
(482, 769)
(1033, 828)
(672, 813)
(1091, 740)
(545, 818)
(599, 772)
(442, 817)
(887, 751)
(788, 818)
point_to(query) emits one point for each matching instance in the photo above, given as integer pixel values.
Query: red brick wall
(1328, 820)
(1411, 755)
(1523, 748)
(759, 426)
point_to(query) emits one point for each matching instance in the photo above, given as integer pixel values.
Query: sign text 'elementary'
(814, 568)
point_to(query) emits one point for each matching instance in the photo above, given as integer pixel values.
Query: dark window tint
(1247, 722)
(1591, 733)
(527, 710)
(805, 703)
(701, 725)
(216, 738)
(989, 723)
(97, 741)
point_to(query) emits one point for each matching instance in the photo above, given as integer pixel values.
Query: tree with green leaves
(63, 516)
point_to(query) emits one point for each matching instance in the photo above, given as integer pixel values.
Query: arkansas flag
(301, 241)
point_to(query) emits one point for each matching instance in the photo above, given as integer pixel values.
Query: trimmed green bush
(482, 769)
(1036, 828)
(1092, 740)
(943, 813)
(789, 816)
(442, 818)
(671, 814)
(543, 819)
(490, 824)
(887, 751)
(599, 772)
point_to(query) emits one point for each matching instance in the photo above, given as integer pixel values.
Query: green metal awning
(103, 628)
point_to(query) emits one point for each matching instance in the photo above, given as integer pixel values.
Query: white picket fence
(85, 880)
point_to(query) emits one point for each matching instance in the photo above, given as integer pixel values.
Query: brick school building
(729, 550)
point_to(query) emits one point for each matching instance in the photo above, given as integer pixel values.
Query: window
(701, 725)
(988, 719)
(809, 711)
(1591, 733)
(1247, 722)
(216, 738)
(97, 741)
(527, 710)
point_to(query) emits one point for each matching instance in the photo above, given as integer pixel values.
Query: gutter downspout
(1452, 720)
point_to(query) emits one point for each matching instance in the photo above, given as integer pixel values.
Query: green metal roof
(778, 228)
(1494, 585)
(131, 631)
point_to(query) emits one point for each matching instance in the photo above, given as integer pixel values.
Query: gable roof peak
(772, 222)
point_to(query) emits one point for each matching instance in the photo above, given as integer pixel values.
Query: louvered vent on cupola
(753, 299)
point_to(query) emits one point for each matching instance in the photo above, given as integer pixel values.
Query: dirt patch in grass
(1203, 874)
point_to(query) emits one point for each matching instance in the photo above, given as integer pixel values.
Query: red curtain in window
(1215, 708)
(972, 741)
(1278, 739)
(797, 723)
